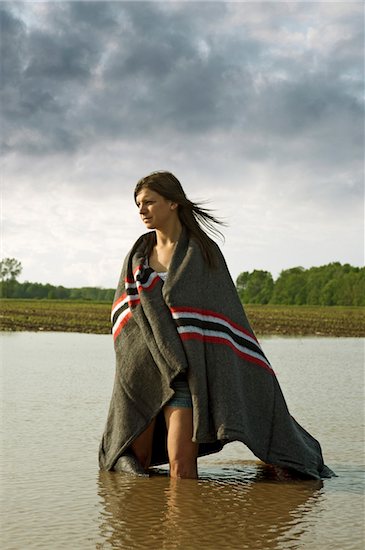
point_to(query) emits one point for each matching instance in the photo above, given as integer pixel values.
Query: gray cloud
(119, 70)
(263, 102)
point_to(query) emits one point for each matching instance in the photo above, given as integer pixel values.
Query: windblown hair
(193, 216)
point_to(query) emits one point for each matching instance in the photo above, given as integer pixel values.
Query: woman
(190, 373)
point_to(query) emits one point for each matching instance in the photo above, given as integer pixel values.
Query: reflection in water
(244, 509)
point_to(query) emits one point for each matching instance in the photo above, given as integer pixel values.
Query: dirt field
(90, 317)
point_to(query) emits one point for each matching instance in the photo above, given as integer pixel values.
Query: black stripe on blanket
(119, 312)
(218, 327)
(143, 274)
(131, 290)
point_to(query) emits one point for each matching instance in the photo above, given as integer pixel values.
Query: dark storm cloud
(46, 70)
(157, 70)
(129, 70)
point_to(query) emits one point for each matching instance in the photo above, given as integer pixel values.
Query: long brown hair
(192, 215)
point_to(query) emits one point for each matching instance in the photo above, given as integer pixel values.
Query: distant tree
(359, 288)
(61, 293)
(10, 269)
(351, 287)
(109, 294)
(241, 283)
(255, 287)
(260, 287)
(290, 287)
(328, 294)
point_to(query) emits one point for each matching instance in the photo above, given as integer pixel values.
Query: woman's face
(156, 212)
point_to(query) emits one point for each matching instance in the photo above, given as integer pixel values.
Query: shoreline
(266, 320)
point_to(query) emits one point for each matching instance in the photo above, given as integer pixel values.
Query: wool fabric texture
(194, 324)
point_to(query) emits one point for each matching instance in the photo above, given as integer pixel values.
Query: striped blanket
(194, 323)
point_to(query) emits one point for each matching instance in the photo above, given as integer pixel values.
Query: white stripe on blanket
(128, 298)
(138, 283)
(120, 319)
(213, 319)
(225, 336)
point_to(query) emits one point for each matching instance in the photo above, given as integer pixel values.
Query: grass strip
(94, 318)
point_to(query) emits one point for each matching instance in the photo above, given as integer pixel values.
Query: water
(55, 395)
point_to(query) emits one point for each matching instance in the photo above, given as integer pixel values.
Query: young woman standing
(190, 373)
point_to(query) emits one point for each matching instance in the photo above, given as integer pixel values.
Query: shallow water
(55, 395)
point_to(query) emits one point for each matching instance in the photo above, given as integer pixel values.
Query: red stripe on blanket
(131, 281)
(131, 303)
(122, 324)
(138, 268)
(120, 299)
(140, 286)
(217, 340)
(151, 286)
(186, 309)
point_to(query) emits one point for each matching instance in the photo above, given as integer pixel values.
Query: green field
(94, 318)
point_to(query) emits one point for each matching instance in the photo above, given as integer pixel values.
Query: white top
(162, 274)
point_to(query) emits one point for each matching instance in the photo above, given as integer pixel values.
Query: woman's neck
(161, 254)
(168, 236)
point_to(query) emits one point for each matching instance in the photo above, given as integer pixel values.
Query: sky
(256, 107)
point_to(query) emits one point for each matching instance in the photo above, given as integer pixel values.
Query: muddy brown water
(55, 393)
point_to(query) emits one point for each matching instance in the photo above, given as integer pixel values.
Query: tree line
(39, 291)
(331, 284)
(326, 285)
(10, 269)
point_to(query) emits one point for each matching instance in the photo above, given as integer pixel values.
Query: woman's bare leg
(182, 451)
(142, 446)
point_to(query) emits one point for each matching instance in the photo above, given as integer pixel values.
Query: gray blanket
(194, 323)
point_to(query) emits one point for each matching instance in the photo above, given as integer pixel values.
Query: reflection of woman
(225, 514)
(190, 374)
